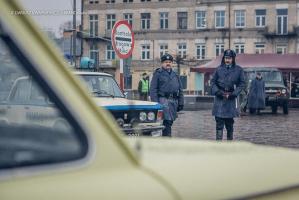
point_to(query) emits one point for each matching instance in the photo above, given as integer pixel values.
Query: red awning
(285, 62)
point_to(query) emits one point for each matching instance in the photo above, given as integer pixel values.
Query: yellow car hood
(219, 170)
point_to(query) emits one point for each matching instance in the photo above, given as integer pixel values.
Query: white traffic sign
(122, 39)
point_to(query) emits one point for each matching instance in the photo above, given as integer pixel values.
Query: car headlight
(142, 116)
(151, 116)
(283, 91)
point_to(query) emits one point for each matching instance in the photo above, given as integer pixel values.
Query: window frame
(201, 21)
(261, 19)
(201, 51)
(145, 52)
(182, 20)
(93, 25)
(219, 17)
(240, 18)
(163, 20)
(145, 20)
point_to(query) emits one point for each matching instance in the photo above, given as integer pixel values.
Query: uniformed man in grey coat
(166, 88)
(227, 83)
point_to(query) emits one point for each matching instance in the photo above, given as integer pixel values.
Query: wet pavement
(267, 128)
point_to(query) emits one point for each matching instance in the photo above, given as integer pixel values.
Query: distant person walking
(256, 95)
(143, 87)
(227, 83)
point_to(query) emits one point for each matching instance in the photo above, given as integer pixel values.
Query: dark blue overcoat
(230, 79)
(167, 82)
(256, 96)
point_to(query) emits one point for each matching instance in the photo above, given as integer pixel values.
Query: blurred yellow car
(92, 160)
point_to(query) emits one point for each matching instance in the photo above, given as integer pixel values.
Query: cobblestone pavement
(267, 128)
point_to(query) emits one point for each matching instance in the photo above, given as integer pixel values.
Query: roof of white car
(91, 73)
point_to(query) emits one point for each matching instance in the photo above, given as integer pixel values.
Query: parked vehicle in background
(27, 103)
(134, 117)
(277, 94)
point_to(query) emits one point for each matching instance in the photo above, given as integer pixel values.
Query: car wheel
(274, 109)
(285, 108)
(252, 110)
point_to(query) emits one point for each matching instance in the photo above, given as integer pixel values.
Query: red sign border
(118, 23)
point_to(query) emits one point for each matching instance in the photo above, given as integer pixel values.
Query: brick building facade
(195, 30)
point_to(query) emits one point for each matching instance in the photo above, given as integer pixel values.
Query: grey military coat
(256, 96)
(230, 79)
(167, 82)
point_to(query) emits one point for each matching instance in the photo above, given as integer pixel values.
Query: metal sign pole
(121, 74)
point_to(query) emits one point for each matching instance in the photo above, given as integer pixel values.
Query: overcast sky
(51, 21)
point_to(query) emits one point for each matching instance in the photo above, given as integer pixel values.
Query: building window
(260, 18)
(127, 1)
(110, 53)
(259, 48)
(93, 1)
(219, 19)
(129, 18)
(144, 0)
(145, 21)
(281, 48)
(145, 52)
(163, 0)
(163, 49)
(240, 18)
(200, 51)
(239, 48)
(182, 20)
(110, 21)
(93, 25)
(201, 19)
(94, 53)
(163, 20)
(110, 1)
(282, 21)
(219, 49)
(182, 50)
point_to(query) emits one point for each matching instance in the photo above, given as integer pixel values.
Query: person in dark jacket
(143, 87)
(227, 83)
(256, 95)
(166, 88)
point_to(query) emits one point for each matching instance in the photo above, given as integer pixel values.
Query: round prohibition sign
(122, 39)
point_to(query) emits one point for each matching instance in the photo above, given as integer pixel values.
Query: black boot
(219, 134)
(230, 135)
(167, 130)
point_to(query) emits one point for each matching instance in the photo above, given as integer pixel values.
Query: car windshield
(102, 85)
(268, 76)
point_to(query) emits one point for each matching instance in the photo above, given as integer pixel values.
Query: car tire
(285, 108)
(252, 110)
(274, 109)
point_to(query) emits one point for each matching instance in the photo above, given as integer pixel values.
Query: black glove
(231, 97)
(180, 107)
(219, 94)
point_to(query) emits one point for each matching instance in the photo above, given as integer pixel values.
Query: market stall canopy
(284, 62)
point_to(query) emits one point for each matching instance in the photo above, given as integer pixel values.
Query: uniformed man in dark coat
(257, 95)
(166, 88)
(227, 83)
